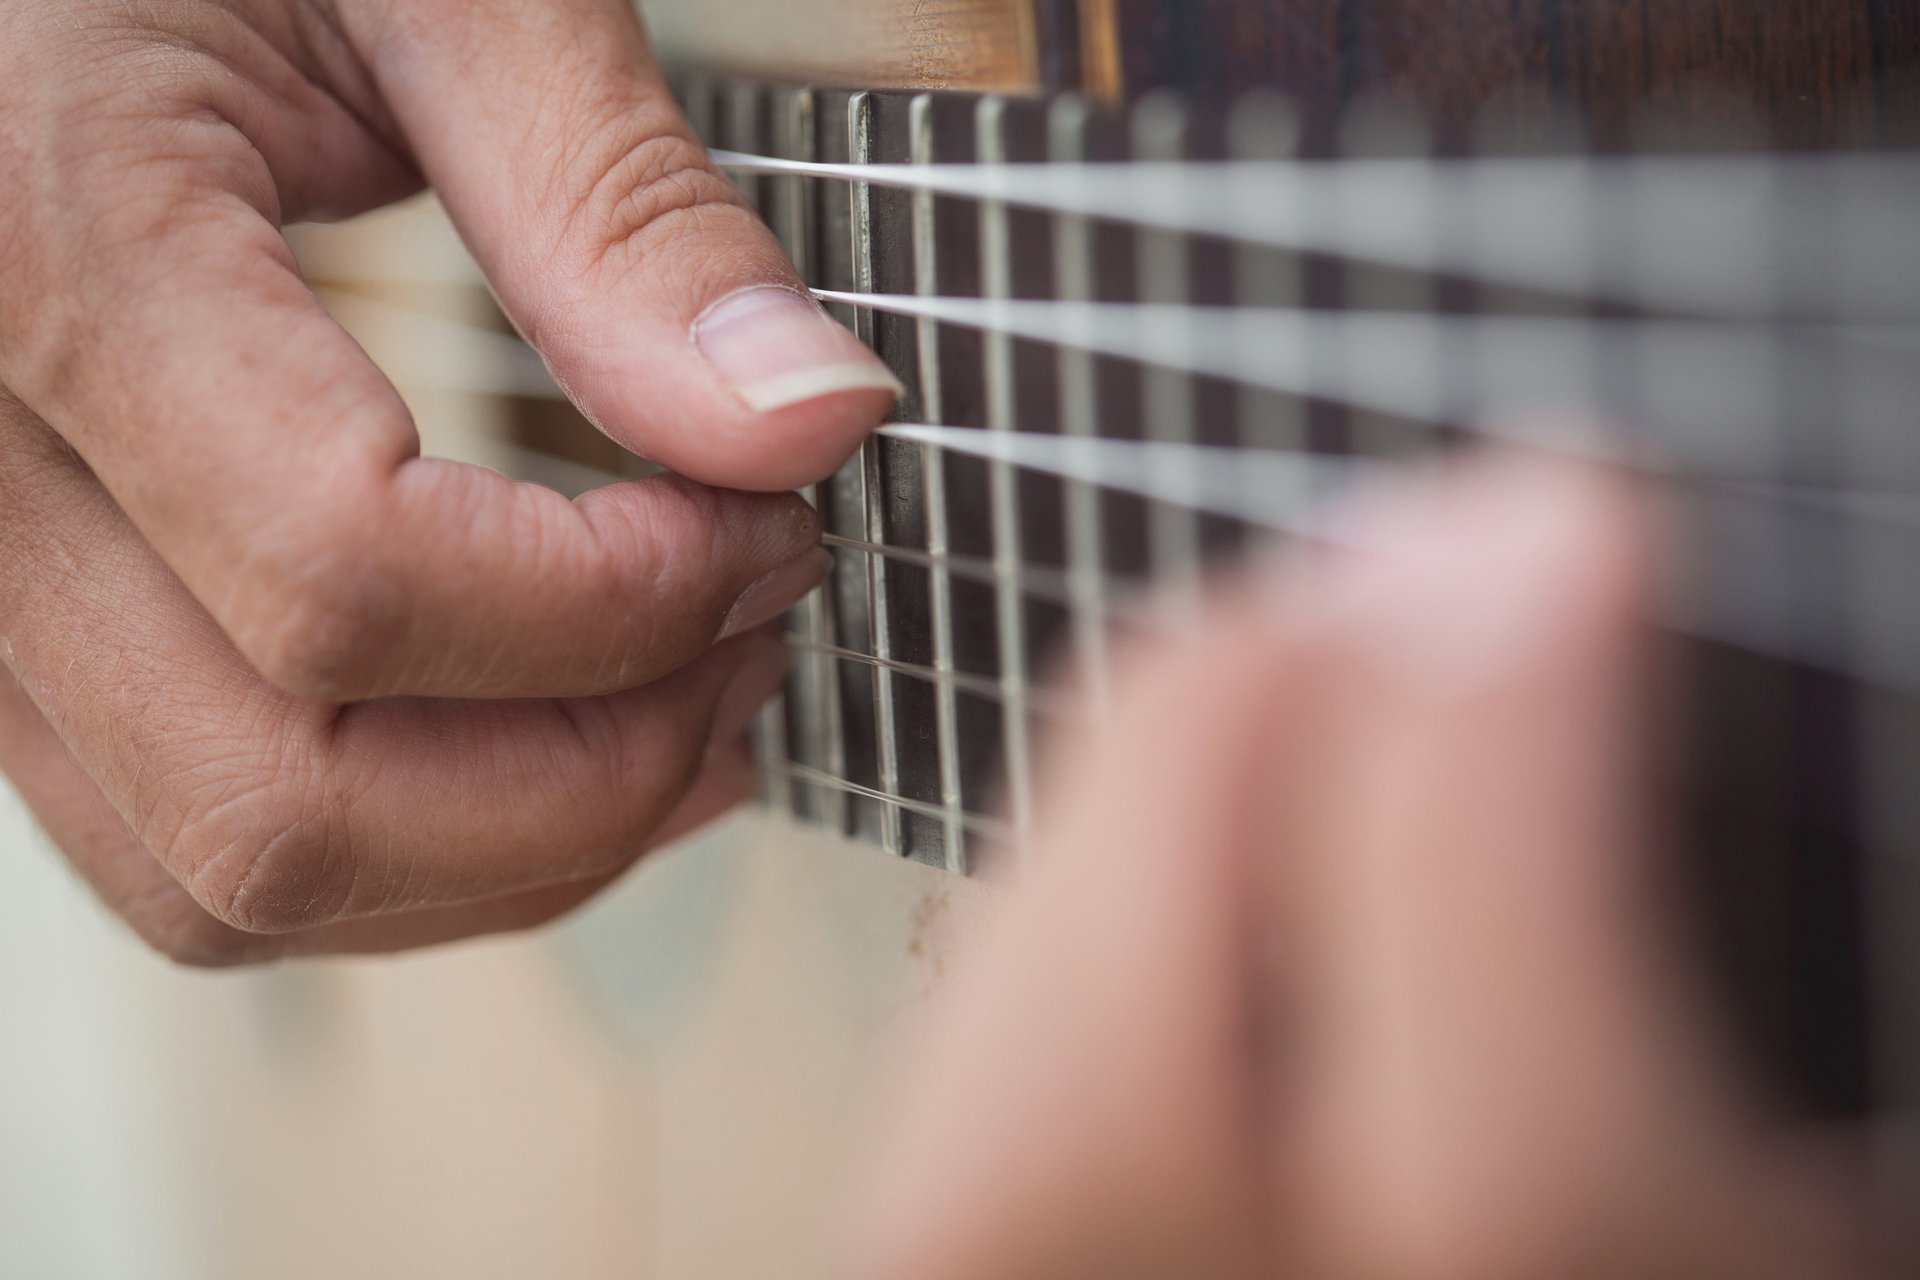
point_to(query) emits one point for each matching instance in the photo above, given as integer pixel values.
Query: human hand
(276, 682)
(1349, 954)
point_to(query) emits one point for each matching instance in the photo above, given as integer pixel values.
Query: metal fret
(826, 734)
(1387, 128)
(745, 119)
(872, 482)
(926, 279)
(1002, 415)
(1074, 280)
(1165, 266)
(1264, 129)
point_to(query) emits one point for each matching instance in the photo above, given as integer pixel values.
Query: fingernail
(778, 348)
(752, 686)
(778, 592)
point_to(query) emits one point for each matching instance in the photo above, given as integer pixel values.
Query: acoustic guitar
(1164, 276)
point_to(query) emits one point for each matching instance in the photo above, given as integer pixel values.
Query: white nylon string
(1295, 493)
(1270, 488)
(1706, 388)
(1710, 388)
(1694, 234)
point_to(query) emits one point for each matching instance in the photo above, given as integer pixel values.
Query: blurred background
(668, 1085)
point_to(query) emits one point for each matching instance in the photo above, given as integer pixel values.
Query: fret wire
(1068, 122)
(986, 828)
(872, 484)
(738, 110)
(771, 741)
(826, 720)
(933, 472)
(1388, 129)
(846, 505)
(1265, 129)
(996, 266)
(1164, 260)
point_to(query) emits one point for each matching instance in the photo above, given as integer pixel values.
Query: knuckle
(680, 527)
(267, 854)
(637, 186)
(322, 623)
(658, 545)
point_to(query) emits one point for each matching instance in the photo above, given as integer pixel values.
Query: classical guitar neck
(1813, 72)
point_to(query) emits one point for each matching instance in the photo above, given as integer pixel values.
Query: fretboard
(1139, 342)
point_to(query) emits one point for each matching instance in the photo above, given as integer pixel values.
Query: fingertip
(764, 392)
(805, 442)
(813, 391)
(778, 592)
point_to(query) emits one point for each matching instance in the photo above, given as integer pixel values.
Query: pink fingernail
(778, 592)
(777, 348)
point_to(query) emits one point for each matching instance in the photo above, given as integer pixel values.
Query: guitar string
(1405, 376)
(1290, 492)
(1269, 488)
(989, 828)
(1044, 584)
(1755, 291)
(1695, 234)
(1286, 491)
(1180, 492)
(1525, 378)
(979, 686)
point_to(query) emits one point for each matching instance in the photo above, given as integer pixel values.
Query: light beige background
(673, 1085)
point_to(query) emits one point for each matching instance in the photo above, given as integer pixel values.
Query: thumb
(664, 307)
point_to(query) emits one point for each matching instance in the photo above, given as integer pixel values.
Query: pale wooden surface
(970, 44)
(610, 1101)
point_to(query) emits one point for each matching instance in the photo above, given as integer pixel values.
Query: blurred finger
(1084, 1107)
(1504, 1042)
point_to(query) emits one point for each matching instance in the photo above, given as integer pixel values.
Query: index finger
(278, 473)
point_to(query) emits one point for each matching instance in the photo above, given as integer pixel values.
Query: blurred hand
(1345, 954)
(223, 564)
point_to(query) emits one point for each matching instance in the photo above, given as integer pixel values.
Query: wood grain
(1812, 71)
(871, 44)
